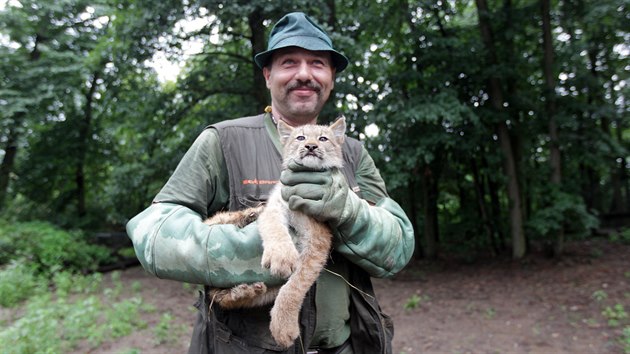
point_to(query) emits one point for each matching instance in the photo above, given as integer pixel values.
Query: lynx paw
(280, 259)
(252, 215)
(239, 295)
(248, 291)
(284, 327)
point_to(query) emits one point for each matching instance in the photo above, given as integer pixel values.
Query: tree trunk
(509, 163)
(550, 111)
(430, 193)
(617, 167)
(483, 214)
(622, 173)
(514, 194)
(594, 99)
(85, 128)
(8, 161)
(413, 209)
(259, 44)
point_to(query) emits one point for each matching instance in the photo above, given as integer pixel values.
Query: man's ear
(339, 129)
(266, 73)
(285, 131)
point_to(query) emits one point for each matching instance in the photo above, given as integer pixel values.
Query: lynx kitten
(316, 147)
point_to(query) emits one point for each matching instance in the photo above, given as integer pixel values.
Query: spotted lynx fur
(317, 147)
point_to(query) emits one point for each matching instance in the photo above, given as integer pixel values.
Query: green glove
(322, 194)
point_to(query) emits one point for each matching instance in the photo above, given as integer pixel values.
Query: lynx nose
(311, 147)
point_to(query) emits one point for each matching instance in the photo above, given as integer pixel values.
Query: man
(234, 165)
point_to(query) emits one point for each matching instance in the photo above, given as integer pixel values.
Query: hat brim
(340, 61)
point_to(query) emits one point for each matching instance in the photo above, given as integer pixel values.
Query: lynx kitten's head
(314, 146)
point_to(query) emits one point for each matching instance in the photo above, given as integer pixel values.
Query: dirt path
(537, 305)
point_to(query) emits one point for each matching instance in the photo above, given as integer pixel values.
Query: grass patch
(616, 316)
(414, 301)
(72, 311)
(166, 331)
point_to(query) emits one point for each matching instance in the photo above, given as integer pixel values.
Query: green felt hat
(298, 30)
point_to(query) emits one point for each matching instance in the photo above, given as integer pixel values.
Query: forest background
(498, 125)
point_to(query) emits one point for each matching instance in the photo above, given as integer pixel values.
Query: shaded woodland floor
(537, 305)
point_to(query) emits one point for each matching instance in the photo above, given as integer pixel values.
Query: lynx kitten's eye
(300, 137)
(323, 138)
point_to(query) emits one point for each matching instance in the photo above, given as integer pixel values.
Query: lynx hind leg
(285, 313)
(284, 326)
(240, 218)
(240, 296)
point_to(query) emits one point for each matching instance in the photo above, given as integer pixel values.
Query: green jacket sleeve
(172, 242)
(379, 236)
(170, 239)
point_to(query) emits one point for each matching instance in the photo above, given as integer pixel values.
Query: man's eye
(300, 137)
(323, 138)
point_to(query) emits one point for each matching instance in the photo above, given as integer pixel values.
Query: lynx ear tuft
(339, 129)
(284, 130)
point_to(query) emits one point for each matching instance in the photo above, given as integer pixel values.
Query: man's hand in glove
(322, 194)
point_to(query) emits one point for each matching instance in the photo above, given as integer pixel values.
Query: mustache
(304, 84)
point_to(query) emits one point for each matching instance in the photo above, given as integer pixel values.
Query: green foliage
(131, 351)
(56, 322)
(124, 318)
(615, 315)
(66, 282)
(625, 340)
(19, 282)
(20, 336)
(564, 211)
(622, 237)
(490, 313)
(48, 248)
(414, 301)
(599, 295)
(97, 134)
(165, 331)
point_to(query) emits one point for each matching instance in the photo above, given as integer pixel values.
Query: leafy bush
(564, 211)
(17, 283)
(622, 236)
(615, 314)
(25, 334)
(49, 248)
(66, 283)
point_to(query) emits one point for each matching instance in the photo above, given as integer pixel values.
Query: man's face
(300, 82)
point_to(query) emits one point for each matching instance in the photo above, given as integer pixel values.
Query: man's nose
(304, 72)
